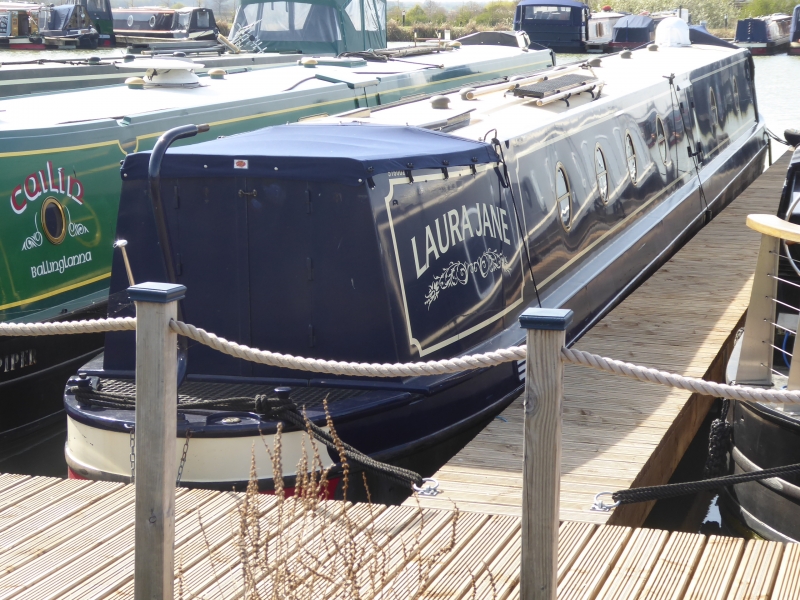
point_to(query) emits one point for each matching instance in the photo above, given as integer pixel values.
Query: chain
(183, 456)
(133, 454)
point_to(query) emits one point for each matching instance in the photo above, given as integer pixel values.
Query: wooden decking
(619, 433)
(65, 539)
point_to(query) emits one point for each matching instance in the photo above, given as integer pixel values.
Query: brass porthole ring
(54, 221)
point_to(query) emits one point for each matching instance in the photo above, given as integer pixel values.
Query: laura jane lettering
(484, 220)
(58, 266)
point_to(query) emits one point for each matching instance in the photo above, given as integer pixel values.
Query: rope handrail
(332, 367)
(67, 327)
(439, 367)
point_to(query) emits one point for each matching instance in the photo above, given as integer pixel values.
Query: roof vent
(673, 32)
(166, 72)
(440, 102)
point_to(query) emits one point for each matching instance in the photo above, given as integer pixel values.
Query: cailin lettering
(42, 182)
(485, 220)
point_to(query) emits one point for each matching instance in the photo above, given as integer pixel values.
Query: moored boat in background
(794, 32)
(601, 29)
(391, 235)
(561, 25)
(141, 24)
(764, 35)
(19, 25)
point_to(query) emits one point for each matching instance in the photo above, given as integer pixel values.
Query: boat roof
(119, 103)
(568, 3)
(347, 153)
(634, 22)
(607, 15)
(160, 9)
(627, 83)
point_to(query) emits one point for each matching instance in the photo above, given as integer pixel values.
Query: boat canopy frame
(314, 26)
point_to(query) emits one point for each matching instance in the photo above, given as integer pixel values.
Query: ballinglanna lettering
(59, 266)
(43, 182)
(480, 220)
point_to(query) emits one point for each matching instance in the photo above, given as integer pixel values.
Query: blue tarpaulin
(751, 30)
(346, 153)
(795, 33)
(633, 28)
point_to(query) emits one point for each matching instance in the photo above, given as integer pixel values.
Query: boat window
(53, 221)
(736, 106)
(152, 21)
(202, 18)
(602, 173)
(599, 30)
(563, 197)
(661, 139)
(185, 18)
(713, 111)
(556, 15)
(630, 156)
(353, 11)
(275, 17)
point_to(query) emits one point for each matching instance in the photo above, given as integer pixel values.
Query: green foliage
(711, 11)
(416, 15)
(497, 13)
(759, 8)
(465, 14)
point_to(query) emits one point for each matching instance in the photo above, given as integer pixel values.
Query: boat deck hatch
(550, 87)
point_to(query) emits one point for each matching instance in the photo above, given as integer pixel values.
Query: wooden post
(541, 484)
(156, 427)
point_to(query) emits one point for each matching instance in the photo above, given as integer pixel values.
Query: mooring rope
(437, 367)
(68, 327)
(332, 367)
(691, 384)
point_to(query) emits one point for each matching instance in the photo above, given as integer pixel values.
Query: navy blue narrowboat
(412, 232)
(632, 31)
(764, 35)
(561, 25)
(794, 32)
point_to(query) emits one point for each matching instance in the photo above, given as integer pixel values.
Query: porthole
(661, 140)
(713, 111)
(129, 21)
(563, 197)
(630, 156)
(152, 21)
(601, 171)
(736, 106)
(54, 222)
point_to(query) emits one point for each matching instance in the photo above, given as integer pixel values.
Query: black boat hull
(765, 438)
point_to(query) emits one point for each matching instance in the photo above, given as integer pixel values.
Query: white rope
(692, 384)
(331, 367)
(439, 367)
(67, 327)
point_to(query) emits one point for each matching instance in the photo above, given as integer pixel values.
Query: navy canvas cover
(60, 16)
(751, 30)
(794, 36)
(341, 153)
(633, 28)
